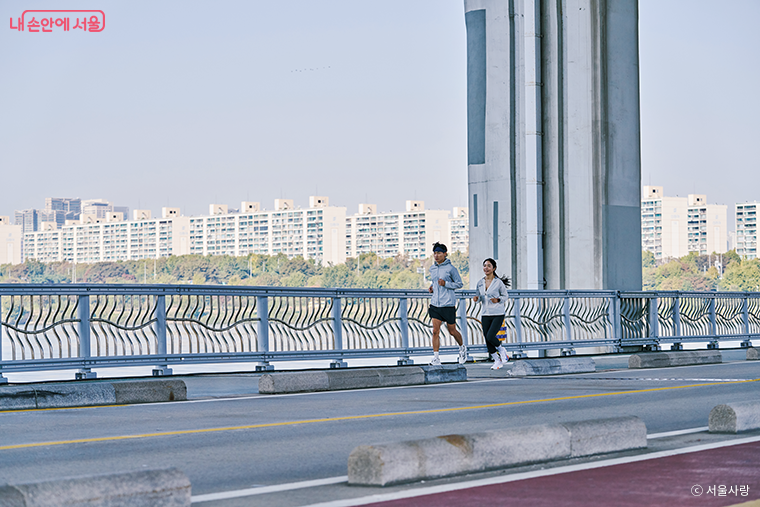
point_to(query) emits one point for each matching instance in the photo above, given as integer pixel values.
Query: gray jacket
(495, 290)
(444, 295)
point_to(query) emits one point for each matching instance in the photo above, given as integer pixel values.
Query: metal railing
(82, 327)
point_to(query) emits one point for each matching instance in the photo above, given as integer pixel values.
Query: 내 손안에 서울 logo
(45, 21)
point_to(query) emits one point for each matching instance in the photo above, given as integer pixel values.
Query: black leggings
(491, 326)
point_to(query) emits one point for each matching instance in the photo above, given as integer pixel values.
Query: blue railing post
(519, 353)
(713, 327)
(616, 319)
(677, 322)
(262, 338)
(569, 350)
(403, 315)
(3, 380)
(747, 343)
(462, 316)
(654, 324)
(160, 328)
(337, 322)
(83, 312)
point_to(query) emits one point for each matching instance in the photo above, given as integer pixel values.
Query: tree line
(726, 272)
(366, 271)
(723, 272)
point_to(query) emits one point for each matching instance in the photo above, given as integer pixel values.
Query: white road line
(677, 432)
(270, 396)
(528, 475)
(267, 489)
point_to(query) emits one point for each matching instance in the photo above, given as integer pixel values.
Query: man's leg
(453, 332)
(436, 335)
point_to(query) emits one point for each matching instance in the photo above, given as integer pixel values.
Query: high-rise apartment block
(321, 232)
(313, 233)
(746, 229)
(10, 242)
(110, 240)
(671, 227)
(411, 232)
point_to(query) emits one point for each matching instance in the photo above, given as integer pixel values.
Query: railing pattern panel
(590, 319)
(634, 318)
(371, 323)
(40, 326)
(695, 317)
(729, 315)
(122, 325)
(300, 323)
(541, 319)
(208, 324)
(753, 314)
(665, 315)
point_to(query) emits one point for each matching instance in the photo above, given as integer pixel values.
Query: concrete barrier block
(444, 373)
(753, 354)
(395, 463)
(149, 488)
(278, 383)
(606, 435)
(401, 376)
(679, 358)
(17, 398)
(150, 391)
(553, 366)
(735, 417)
(75, 395)
(353, 379)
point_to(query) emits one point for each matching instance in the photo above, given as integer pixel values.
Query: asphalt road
(229, 438)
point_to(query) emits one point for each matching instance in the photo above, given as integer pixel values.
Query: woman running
(492, 289)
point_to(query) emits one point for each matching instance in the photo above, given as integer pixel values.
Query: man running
(445, 280)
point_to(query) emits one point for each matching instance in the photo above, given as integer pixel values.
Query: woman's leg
(491, 326)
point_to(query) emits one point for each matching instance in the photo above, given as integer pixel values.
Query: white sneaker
(462, 354)
(497, 362)
(503, 354)
(435, 362)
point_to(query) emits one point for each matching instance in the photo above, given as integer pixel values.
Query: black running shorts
(447, 314)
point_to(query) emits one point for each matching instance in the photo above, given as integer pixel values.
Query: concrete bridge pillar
(553, 141)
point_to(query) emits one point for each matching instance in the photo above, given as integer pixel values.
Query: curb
(735, 417)
(415, 460)
(359, 378)
(753, 354)
(680, 358)
(37, 396)
(559, 366)
(148, 488)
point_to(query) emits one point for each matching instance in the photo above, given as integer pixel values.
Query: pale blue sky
(184, 103)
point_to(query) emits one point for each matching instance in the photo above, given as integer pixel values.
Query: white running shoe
(503, 354)
(462, 354)
(435, 362)
(497, 362)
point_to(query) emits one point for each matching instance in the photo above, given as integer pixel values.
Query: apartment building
(671, 227)
(312, 233)
(707, 227)
(459, 227)
(746, 229)
(111, 239)
(411, 232)
(10, 242)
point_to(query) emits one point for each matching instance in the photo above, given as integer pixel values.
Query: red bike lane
(691, 479)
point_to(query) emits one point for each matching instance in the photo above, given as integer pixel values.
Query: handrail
(86, 326)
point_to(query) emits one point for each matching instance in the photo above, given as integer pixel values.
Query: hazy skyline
(191, 103)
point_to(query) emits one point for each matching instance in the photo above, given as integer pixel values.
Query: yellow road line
(356, 417)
